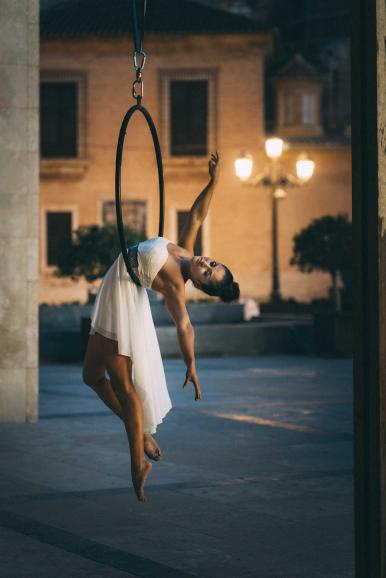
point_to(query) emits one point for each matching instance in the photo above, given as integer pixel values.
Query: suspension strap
(138, 11)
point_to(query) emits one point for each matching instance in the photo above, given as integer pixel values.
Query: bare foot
(139, 480)
(152, 449)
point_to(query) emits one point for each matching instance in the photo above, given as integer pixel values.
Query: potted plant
(326, 245)
(91, 252)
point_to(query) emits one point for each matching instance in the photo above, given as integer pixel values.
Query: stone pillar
(19, 209)
(369, 220)
(381, 130)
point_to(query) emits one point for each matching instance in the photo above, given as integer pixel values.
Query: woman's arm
(200, 207)
(175, 303)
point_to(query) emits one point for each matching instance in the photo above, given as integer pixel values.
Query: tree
(92, 250)
(325, 245)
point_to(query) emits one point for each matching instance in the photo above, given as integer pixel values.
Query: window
(299, 108)
(58, 119)
(188, 117)
(181, 220)
(188, 114)
(309, 109)
(59, 228)
(289, 108)
(133, 214)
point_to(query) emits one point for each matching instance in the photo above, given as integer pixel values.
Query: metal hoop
(118, 165)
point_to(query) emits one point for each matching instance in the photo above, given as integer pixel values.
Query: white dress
(122, 312)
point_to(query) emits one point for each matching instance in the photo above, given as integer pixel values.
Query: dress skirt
(122, 312)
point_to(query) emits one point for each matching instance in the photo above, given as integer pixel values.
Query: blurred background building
(219, 76)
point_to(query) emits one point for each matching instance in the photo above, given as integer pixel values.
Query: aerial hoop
(138, 11)
(118, 166)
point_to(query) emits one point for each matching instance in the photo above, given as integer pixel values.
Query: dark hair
(226, 289)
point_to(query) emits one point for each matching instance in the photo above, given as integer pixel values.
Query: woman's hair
(226, 289)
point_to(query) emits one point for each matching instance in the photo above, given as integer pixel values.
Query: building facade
(204, 86)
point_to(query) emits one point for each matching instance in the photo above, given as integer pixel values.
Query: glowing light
(274, 147)
(243, 166)
(280, 194)
(304, 169)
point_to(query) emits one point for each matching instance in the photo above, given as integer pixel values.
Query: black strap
(132, 254)
(138, 11)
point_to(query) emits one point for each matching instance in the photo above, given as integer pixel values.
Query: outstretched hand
(192, 376)
(213, 165)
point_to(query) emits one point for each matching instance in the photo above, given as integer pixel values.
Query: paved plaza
(256, 480)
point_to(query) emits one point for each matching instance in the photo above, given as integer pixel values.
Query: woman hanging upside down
(123, 340)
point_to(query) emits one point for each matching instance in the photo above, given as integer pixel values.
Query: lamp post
(274, 178)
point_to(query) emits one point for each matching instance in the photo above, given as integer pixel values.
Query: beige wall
(19, 209)
(238, 230)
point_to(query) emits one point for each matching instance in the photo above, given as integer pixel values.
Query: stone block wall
(19, 209)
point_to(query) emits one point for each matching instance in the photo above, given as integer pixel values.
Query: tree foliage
(325, 245)
(92, 251)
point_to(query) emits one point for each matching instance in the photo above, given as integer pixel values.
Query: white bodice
(152, 255)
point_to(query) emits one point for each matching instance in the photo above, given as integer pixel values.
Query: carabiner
(136, 95)
(141, 65)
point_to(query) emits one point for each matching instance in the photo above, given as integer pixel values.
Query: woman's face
(205, 270)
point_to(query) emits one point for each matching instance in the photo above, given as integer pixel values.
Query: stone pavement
(256, 479)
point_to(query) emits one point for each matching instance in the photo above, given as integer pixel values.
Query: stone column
(19, 209)
(381, 133)
(369, 220)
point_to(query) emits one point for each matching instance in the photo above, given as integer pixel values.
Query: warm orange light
(304, 169)
(274, 147)
(280, 194)
(243, 166)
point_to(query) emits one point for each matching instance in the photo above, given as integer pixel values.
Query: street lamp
(304, 169)
(274, 147)
(274, 178)
(243, 166)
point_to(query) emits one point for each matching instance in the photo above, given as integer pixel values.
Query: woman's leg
(94, 376)
(119, 369)
(120, 396)
(94, 367)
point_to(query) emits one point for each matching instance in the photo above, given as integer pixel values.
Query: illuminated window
(309, 109)
(299, 109)
(290, 106)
